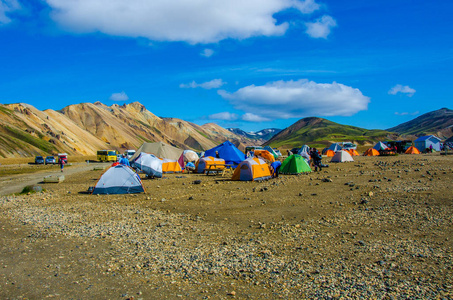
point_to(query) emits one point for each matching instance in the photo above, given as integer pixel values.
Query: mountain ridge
(438, 122)
(84, 128)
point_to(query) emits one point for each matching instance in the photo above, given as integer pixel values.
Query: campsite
(376, 227)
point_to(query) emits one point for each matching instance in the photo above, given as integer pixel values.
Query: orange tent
(264, 154)
(330, 153)
(412, 150)
(371, 152)
(353, 152)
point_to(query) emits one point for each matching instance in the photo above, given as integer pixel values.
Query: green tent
(294, 164)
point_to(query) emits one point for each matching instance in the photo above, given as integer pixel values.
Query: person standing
(62, 163)
(124, 160)
(316, 158)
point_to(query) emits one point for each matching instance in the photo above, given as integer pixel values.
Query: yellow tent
(251, 169)
(209, 162)
(170, 166)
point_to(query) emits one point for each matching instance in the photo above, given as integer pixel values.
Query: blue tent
(228, 152)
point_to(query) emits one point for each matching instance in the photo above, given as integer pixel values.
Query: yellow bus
(107, 155)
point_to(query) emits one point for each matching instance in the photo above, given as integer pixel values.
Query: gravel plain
(379, 227)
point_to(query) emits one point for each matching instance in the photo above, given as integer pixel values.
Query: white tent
(119, 179)
(190, 155)
(304, 148)
(342, 156)
(148, 164)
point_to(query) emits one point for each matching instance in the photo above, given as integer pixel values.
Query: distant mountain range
(260, 136)
(82, 129)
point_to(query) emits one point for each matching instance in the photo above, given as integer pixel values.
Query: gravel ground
(374, 228)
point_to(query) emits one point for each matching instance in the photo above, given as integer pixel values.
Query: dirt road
(15, 183)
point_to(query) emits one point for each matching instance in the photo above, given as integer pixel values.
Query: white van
(129, 153)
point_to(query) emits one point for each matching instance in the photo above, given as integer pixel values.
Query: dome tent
(380, 146)
(190, 155)
(264, 154)
(342, 156)
(335, 147)
(252, 169)
(371, 152)
(228, 152)
(119, 179)
(148, 164)
(203, 163)
(294, 164)
(171, 166)
(412, 150)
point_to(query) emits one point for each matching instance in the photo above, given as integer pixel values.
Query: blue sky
(252, 64)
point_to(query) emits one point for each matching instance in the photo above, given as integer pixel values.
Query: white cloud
(296, 99)
(307, 6)
(249, 117)
(119, 97)
(207, 52)
(321, 28)
(223, 116)
(407, 113)
(402, 89)
(201, 21)
(213, 84)
(7, 6)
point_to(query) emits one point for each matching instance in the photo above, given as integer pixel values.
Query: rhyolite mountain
(438, 122)
(82, 129)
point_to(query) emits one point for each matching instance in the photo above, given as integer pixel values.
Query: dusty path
(15, 183)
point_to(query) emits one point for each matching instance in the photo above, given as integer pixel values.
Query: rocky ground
(379, 227)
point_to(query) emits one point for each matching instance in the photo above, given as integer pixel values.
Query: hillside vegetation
(438, 122)
(318, 132)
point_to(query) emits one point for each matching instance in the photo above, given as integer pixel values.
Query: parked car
(39, 160)
(349, 146)
(50, 160)
(129, 153)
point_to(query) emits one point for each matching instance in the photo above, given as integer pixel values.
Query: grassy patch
(6, 111)
(27, 138)
(202, 134)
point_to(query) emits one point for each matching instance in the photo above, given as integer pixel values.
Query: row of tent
(121, 179)
(155, 159)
